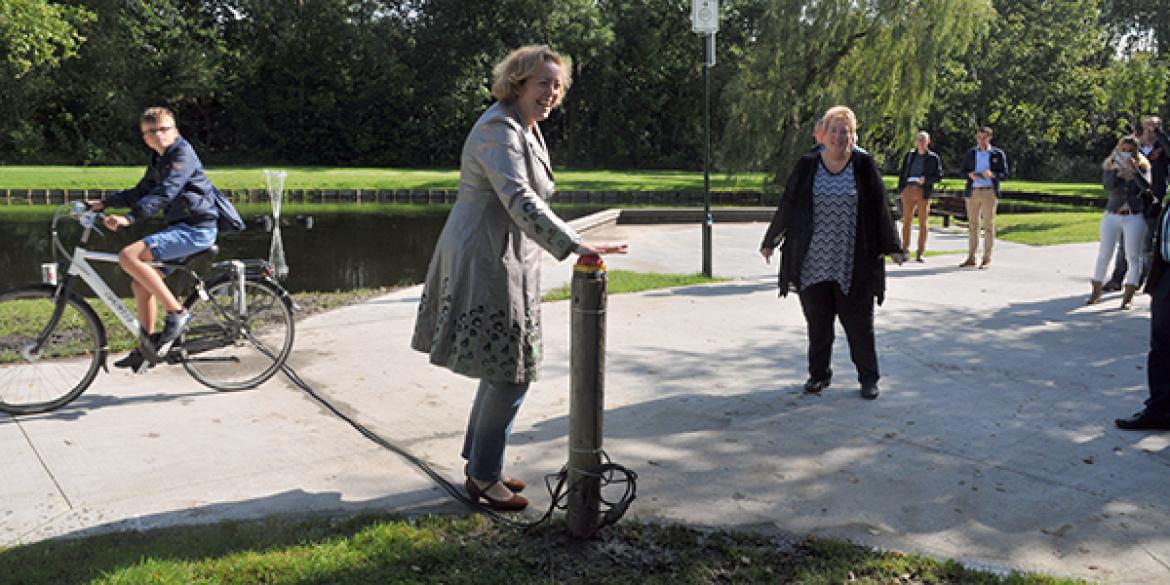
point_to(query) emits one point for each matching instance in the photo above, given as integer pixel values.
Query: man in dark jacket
(1156, 414)
(176, 184)
(984, 166)
(921, 169)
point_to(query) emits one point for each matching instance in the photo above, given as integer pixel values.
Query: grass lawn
(72, 177)
(1045, 229)
(121, 177)
(466, 550)
(625, 281)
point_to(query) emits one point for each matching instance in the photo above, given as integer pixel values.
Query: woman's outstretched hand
(602, 248)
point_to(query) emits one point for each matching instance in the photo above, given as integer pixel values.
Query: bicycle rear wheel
(227, 350)
(65, 364)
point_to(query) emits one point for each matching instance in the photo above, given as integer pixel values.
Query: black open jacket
(792, 225)
(1158, 265)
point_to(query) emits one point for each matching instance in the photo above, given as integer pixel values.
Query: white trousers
(1112, 227)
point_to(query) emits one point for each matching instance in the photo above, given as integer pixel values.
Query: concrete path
(992, 441)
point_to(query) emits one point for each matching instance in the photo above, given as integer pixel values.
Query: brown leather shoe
(515, 503)
(969, 262)
(516, 485)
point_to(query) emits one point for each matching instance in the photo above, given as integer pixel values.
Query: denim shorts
(179, 241)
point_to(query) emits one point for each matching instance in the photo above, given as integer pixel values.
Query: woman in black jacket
(833, 225)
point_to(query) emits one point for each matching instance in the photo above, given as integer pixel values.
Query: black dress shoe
(1144, 421)
(132, 360)
(1111, 286)
(814, 386)
(870, 391)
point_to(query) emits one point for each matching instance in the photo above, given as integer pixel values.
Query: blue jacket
(998, 163)
(174, 182)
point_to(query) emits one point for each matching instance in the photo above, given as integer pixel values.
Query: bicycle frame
(80, 267)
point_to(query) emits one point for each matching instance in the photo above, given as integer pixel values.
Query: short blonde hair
(840, 113)
(508, 75)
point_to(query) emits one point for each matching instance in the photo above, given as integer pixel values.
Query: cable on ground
(609, 473)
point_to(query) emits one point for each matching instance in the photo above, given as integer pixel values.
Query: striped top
(830, 252)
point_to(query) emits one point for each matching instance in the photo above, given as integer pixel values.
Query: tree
(881, 57)
(1058, 96)
(38, 33)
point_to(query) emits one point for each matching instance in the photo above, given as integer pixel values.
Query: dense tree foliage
(399, 82)
(37, 33)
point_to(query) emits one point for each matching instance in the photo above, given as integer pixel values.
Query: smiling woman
(479, 314)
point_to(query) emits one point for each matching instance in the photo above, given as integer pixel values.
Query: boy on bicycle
(175, 183)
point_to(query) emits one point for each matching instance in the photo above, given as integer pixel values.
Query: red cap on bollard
(589, 263)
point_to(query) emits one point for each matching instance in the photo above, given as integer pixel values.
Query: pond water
(341, 251)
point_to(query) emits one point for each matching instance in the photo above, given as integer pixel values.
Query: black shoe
(132, 360)
(1144, 421)
(870, 391)
(1111, 286)
(814, 386)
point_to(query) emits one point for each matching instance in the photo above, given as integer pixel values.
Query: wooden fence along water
(418, 196)
(447, 196)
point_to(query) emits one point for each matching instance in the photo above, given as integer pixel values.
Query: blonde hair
(1142, 161)
(508, 75)
(841, 113)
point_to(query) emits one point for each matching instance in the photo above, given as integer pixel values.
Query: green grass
(24, 318)
(464, 550)
(121, 177)
(1089, 190)
(625, 281)
(1046, 229)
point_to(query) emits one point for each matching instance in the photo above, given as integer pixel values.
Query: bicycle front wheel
(227, 349)
(41, 378)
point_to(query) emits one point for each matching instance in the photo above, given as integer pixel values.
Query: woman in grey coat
(480, 310)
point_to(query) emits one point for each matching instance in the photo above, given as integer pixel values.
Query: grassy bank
(625, 281)
(466, 550)
(121, 177)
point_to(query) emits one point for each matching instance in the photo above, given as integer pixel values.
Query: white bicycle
(52, 343)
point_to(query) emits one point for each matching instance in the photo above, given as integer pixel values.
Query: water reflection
(336, 251)
(340, 252)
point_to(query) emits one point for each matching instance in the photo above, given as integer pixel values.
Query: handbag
(1150, 205)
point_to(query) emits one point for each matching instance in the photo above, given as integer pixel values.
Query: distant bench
(941, 205)
(948, 206)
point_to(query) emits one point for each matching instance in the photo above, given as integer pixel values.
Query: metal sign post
(705, 21)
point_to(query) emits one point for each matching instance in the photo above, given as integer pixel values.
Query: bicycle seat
(211, 252)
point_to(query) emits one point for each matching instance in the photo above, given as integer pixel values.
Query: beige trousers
(913, 201)
(981, 213)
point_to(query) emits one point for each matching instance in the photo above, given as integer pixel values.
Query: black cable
(559, 492)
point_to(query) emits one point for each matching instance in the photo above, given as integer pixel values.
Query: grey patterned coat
(480, 310)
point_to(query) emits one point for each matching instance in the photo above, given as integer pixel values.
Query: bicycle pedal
(141, 368)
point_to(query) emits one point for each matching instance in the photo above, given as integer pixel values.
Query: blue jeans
(179, 241)
(495, 408)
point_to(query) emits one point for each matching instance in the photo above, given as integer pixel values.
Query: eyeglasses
(159, 130)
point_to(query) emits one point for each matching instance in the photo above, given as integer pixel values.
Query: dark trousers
(822, 303)
(1158, 362)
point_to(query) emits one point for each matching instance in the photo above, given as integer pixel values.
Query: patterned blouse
(830, 252)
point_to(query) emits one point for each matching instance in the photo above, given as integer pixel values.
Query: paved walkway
(992, 441)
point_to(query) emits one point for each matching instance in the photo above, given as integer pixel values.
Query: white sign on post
(705, 16)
